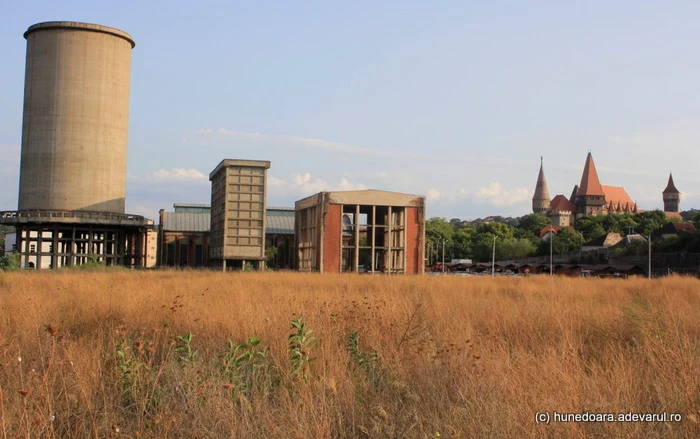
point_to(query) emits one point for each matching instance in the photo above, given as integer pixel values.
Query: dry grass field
(209, 355)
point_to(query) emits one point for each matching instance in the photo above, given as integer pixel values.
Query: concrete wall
(76, 109)
(331, 239)
(238, 204)
(415, 247)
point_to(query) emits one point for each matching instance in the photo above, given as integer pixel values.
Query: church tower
(672, 197)
(590, 198)
(541, 200)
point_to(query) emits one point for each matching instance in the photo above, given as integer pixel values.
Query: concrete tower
(238, 205)
(541, 200)
(76, 109)
(72, 180)
(672, 197)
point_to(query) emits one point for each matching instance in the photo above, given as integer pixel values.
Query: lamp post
(649, 256)
(493, 257)
(443, 255)
(551, 238)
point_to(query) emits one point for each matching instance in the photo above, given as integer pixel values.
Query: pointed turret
(590, 183)
(541, 200)
(671, 187)
(590, 197)
(672, 197)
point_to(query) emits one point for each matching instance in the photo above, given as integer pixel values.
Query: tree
(462, 246)
(650, 221)
(512, 248)
(496, 229)
(483, 247)
(437, 230)
(533, 223)
(566, 241)
(271, 256)
(9, 262)
(591, 227)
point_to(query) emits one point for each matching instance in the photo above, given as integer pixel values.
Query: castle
(592, 198)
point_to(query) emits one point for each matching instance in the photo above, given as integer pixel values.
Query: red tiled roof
(555, 229)
(670, 187)
(561, 204)
(617, 195)
(673, 215)
(590, 184)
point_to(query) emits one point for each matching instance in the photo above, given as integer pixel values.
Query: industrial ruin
(72, 187)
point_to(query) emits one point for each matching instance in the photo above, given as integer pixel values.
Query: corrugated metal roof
(186, 221)
(200, 222)
(191, 205)
(280, 224)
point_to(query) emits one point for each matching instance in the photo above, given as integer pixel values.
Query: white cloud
(432, 194)
(306, 184)
(275, 182)
(172, 175)
(178, 174)
(496, 196)
(346, 185)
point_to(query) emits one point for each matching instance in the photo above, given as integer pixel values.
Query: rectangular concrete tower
(238, 202)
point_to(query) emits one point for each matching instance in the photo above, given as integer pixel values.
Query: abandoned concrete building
(183, 236)
(238, 201)
(71, 207)
(361, 231)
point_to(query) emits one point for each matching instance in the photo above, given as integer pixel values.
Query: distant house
(672, 230)
(605, 241)
(632, 239)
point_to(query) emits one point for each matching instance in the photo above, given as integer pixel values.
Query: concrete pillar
(357, 238)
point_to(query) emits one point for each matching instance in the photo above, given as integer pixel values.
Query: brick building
(361, 231)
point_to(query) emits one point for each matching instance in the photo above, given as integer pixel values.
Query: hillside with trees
(520, 237)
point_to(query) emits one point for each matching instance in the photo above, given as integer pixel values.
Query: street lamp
(443, 255)
(649, 256)
(551, 239)
(493, 257)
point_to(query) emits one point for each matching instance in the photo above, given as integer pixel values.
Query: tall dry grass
(455, 357)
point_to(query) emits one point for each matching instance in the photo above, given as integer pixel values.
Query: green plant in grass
(183, 348)
(300, 342)
(368, 362)
(248, 368)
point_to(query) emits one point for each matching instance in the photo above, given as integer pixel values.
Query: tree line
(517, 238)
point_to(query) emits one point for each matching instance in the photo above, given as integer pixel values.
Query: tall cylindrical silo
(76, 110)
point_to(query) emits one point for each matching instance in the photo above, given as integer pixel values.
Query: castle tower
(590, 198)
(672, 197)
(541, 200)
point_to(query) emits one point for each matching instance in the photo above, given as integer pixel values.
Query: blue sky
(453, 100)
